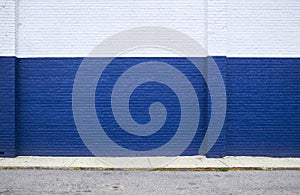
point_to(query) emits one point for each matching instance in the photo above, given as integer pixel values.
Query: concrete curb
(195, 163)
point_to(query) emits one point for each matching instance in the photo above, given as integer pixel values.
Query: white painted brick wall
(74, 28)
(263, 28)
(216, 27)
(7, 27)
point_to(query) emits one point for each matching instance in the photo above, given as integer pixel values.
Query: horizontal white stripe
(7, 27)
(263, 28)
(52, 28)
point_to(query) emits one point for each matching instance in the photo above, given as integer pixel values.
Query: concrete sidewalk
(150, 163)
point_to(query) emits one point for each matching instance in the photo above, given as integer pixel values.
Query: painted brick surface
(255, 44)
(7, 107)
(219, 149)
(44, 111)
(263, 106)
(216, 32)
(7, 27)
(74, 28)
(45, 106)
(262, 117)
(263, 28)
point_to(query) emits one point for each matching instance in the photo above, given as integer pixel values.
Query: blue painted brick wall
(219, 149)
(45, 121)
(263, 114)
(7, 107)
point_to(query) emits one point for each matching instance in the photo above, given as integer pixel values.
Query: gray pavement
(30, 181)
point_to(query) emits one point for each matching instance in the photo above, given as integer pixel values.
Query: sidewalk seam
(73, 162)
(149, 162)
(105, 163)
(223, 163)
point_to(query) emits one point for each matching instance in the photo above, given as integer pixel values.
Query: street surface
(26, 181)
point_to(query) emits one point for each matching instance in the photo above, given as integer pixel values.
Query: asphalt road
(148, 182)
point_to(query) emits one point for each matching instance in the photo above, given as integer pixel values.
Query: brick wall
(255, 46)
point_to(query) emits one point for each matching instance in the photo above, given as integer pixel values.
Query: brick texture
(256, 46)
